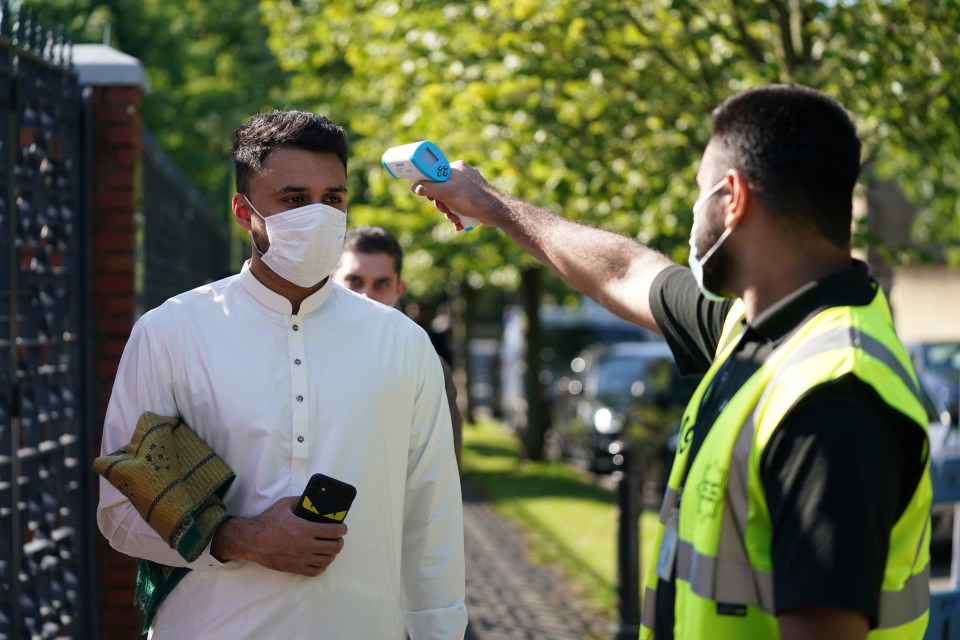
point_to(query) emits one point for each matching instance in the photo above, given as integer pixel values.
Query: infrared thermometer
(422, 161)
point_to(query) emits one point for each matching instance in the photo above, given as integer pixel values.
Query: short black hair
(263, 133)
(798, 148)
(368, 240)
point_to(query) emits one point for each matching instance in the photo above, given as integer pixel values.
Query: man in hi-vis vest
(798, 502)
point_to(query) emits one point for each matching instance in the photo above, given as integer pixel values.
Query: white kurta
(347, 387)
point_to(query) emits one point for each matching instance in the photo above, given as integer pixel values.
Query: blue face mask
(696, 262)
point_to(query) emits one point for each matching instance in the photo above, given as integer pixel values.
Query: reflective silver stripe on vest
(729, 577)
(669, 502)
(649, 613)
(724, 580)
(908, 604)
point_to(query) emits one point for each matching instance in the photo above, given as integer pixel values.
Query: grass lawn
(569, 520)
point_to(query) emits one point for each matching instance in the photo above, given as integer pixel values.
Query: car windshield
(560, 345)
(943, 358)
(657, 378)
(933, 415)
(618, 375)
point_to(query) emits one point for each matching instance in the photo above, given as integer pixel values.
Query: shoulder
(845, 429)
(845, 411)
(361, 312)
(190, 306)
(691, 324)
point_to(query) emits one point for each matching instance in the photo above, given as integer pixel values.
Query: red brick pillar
(117, 82)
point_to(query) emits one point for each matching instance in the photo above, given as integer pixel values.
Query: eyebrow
(296, 188)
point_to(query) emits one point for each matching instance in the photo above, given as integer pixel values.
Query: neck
(294, 294)
(788, 273)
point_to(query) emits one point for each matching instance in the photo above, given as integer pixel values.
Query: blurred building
(925, 298)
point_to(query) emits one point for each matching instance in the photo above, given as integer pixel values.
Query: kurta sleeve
(433, 559)
(143, 383)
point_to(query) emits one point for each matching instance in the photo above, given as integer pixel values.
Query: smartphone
(325, 499)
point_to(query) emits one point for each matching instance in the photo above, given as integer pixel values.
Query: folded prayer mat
(176, 483)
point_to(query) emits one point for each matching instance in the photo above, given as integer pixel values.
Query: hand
(279, 540)
(465, 193)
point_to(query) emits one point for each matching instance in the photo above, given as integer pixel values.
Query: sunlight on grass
(569, 520)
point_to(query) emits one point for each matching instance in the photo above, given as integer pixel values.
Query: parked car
(564, 332)
(624, 394)
(938, 368)
(944, 448)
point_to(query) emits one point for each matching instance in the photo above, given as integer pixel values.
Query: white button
(299, 438)
(297, 361)
(296, 327)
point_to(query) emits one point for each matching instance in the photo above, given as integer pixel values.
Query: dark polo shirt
(839, 470)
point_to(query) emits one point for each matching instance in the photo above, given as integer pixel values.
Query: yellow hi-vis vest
(720, 536)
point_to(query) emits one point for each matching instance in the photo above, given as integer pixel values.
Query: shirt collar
(849, 287)
(276, 302)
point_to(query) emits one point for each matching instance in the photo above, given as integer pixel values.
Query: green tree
(209, 67)
(599, 110)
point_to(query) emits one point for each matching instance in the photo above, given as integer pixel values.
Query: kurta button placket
(300, 384)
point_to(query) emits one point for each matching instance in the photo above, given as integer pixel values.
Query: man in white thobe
(284, 374)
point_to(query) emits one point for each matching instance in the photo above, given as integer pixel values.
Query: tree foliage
(600, 110)
(597, 110)
(209, 68)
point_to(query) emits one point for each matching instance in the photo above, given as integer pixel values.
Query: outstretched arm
(614, 270)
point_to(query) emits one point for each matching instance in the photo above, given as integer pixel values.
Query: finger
(452, 217)
(308, 570)
(320, 561)
(322, 546)
(327, 531)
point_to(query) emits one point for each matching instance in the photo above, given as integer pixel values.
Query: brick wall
(115, 193)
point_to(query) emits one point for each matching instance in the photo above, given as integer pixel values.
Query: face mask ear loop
(716, 245)
(698, 207)
(253, 240)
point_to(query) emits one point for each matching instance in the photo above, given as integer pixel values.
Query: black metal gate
(46, 559)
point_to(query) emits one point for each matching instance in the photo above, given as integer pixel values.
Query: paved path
(508, 598)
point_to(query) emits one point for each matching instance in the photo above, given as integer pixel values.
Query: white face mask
(696, 263)
(305, 243)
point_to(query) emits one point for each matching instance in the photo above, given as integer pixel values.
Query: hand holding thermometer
(422, 161)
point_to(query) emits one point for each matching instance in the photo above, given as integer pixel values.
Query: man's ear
(401, 288)
(738, 189)
(241, 211)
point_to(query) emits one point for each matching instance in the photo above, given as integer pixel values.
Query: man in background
(371, 264)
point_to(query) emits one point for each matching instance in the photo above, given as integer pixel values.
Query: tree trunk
(459, 346)
(468, 296)
(533, 435)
